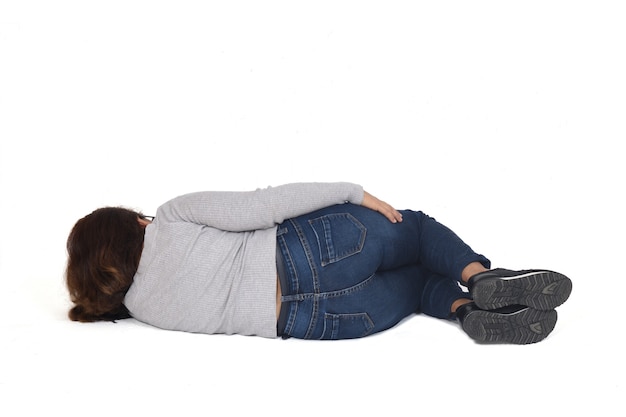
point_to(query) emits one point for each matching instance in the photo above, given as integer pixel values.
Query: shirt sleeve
(239, 211)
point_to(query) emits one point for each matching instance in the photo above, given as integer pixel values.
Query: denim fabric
(347, 271)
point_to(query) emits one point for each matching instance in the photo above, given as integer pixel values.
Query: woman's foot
(540, 289)
(515, 324)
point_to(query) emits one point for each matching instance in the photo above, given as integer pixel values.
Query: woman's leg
(442, 251)
(369, 242)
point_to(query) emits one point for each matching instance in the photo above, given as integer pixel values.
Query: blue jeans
(346, 271)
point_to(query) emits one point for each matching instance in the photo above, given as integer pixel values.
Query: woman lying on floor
(306, 260)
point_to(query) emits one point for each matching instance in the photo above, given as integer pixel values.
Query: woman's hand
(380, 206)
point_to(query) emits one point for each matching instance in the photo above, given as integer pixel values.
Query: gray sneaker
(539, 288)
(519, 325)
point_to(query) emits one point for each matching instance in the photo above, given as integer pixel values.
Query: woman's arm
(260, 209)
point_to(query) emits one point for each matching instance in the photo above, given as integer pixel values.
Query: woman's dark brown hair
(103, 248)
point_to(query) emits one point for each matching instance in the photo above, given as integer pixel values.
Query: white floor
(504, 122)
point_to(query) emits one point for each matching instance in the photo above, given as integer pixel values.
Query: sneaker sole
(541, 290)
(520, 328)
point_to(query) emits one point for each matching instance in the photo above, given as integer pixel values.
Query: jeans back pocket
(339, 235)
(346, 326)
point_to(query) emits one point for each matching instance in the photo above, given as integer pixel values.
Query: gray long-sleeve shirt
(209, 259)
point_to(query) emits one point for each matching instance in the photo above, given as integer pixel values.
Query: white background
(504, 120)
